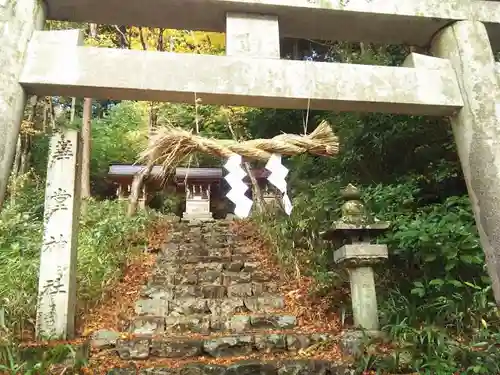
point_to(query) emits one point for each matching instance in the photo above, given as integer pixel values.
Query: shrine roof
(127, 171)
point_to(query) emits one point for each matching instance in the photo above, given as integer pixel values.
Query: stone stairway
(210, 308)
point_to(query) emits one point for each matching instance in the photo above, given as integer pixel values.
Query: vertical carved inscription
(57, 284)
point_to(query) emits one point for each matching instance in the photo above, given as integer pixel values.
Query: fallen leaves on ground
(114, 312)
(313, 313)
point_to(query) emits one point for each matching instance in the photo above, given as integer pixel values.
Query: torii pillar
(476, 129)
(18, 20)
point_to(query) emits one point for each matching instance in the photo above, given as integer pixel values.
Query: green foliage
(39, 360)
(107, 238)
(118, 137)
(434, 293)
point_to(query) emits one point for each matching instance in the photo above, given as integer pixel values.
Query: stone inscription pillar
(476, 128)
(18, 20)
(57, 280)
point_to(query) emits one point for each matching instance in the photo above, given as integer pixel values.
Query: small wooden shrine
(204, 188)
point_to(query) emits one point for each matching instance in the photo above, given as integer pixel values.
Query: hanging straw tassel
(169, 146)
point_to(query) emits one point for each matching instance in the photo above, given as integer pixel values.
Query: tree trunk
(17, 160)
(52, 113)
(86, 150)
(25, 138)
(26, 153)
(136, 188)
(256, 192)
(87, 140)
(73, 110)
(139, 179)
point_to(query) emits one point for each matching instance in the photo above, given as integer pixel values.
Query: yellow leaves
(180, 41)
(484, 324)
(28, 127)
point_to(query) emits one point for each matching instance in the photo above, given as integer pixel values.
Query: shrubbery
(434, 294)
(107, 240)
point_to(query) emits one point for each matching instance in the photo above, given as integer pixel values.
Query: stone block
(297, 342)
(202, 369)
(226, 306)
(238, 323)
(188, 278)
(175, 348)
(187, 291)
(252, 35)
(231, 278)
(264, 304)
(133, 348)
(273, 321)
(158, 371)
(210, 277)
(213, 291)
(229, 346)
(251, 266)
(240, 290)
(155, 307)
(188, 323)
(148, 325)
(356, 255)
(103, 339)
(188, 306)
(233, 266)
(250, 368)
(269, 343)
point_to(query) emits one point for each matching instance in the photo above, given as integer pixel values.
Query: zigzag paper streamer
(234, 178)
(277, 178)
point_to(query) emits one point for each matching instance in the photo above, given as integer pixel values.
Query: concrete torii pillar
(18, 20)
(476, 128)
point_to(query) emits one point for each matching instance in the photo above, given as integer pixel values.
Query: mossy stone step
(205, 324)
(231, 266)
(218, 307)
(241, 290)
(163, 346)
(290, 367)
(165, 277)
(175, 259)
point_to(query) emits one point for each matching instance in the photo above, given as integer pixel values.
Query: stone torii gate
(458, 80)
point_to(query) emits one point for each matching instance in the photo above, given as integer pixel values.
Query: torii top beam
(412, 22)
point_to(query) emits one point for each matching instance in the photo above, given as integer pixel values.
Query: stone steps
(208, 291)
(208, 299)
(200, 259)
(252, 367)
(209, 264)
(221, 307)
(167, 346)
(209, 324)
(165, 277)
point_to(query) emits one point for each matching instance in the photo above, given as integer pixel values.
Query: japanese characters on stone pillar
(58, 257)
(351, 236)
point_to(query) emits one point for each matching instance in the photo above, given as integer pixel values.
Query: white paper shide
(277, 178)
(234, 178)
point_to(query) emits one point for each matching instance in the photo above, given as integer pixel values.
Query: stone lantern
(352, 236)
